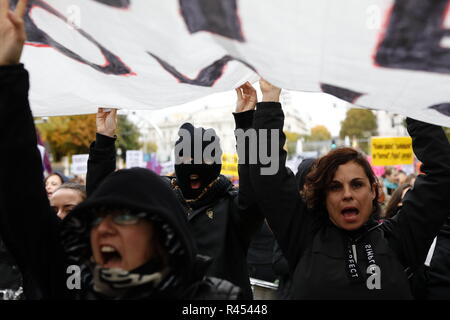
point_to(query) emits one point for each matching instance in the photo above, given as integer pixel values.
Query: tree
(68, 135)
(151, 147)
(320, 133)
(359, 123)
(291, 142)
(128, 135)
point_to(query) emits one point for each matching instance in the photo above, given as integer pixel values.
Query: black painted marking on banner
(122, 4)
(413, 37)
(342, 93)
(443, 108)
(205, 78)
(37, 37)
(219, 17)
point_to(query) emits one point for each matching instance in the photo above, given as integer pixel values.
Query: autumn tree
(151, 147)
(320, 133)
(291, 142)
(68, 135)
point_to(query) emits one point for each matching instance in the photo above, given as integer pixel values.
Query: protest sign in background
(145, 54)
(230, 165)
(79, 164)
(135, 158)
(391, 151)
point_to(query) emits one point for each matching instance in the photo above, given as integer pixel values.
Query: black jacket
(433, 282)
(319, 253)
(221, 223)
(10, 276)
(438, 274)
(129, 189)
(31, 230)
(28, 227)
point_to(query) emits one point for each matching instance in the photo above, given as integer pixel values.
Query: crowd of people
(332, 231)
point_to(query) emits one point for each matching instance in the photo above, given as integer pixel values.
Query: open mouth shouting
(110, 257)
(195, 181)
(350, 214)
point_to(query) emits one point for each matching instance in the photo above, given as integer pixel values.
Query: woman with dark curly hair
(334, 246)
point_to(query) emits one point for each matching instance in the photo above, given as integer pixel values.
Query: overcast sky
(316, 108)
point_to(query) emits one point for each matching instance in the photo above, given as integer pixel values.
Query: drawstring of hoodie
(353, 270)
(353, 267)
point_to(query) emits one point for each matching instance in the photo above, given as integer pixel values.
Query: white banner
(145, 54)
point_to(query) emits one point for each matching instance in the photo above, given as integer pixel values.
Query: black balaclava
(208, 170)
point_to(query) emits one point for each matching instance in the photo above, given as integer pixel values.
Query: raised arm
(425, 206)
(274, 185)
(250, 217)
(102, 152)
(28, 226)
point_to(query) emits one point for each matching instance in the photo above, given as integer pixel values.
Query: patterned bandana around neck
(115, 282)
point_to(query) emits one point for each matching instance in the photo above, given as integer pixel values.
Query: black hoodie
(330, 263)
(29, 228)
(222, 219)
(140, 190)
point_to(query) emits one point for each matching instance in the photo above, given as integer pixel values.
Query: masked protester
(221, 225)
(334, 247)
(193, 177)
(221, 219)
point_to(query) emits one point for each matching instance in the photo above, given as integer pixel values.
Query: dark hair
(59, 175)
(321, 175)
(74, 186)
(396, 198)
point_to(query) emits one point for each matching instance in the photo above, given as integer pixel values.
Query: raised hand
(246, 98)
(12, 32)
(270, 92)
(106, 122)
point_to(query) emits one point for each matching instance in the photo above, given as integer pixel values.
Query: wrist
(271, 97)
(110, 134)
(5, 63)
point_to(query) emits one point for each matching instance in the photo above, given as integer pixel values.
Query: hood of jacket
(138, 190)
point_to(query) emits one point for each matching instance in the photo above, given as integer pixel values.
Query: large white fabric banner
(145, 54)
